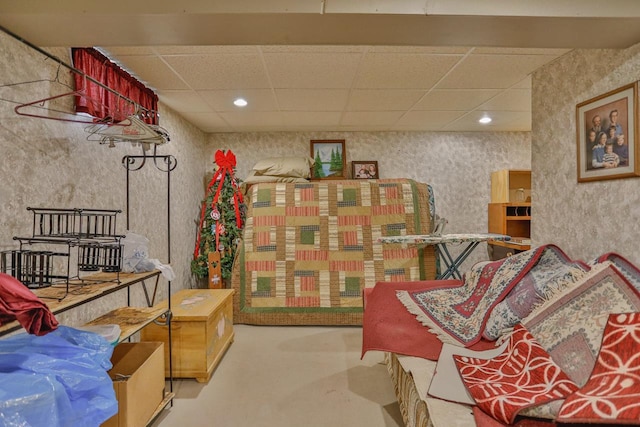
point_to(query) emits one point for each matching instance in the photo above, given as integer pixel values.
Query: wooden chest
(201, 331)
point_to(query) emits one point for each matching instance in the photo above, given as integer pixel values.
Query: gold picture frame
(606, 135)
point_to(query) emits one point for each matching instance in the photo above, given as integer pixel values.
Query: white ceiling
(342, 88)
(334, 65)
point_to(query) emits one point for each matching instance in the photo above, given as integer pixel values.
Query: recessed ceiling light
(485, 120)
(240, 102)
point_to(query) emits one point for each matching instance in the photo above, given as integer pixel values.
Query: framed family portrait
(364, 169)
(607, 142)
(329, 159)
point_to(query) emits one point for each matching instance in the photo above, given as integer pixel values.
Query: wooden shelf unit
(507, 183)
(512, 219)
(97, 286)
(510, 210)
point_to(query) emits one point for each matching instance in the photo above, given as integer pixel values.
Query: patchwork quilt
(309, 249)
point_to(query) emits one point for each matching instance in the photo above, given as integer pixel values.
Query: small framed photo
(607, 142)
(329, 159)
(364, 169)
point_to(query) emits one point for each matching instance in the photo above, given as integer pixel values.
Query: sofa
(536, 339)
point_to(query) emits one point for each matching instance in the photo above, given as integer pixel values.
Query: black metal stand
(166, 164)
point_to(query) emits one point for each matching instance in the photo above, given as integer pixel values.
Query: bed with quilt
(309, 249)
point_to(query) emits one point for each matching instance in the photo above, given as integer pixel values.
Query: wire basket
(33, 268)
(98, 256)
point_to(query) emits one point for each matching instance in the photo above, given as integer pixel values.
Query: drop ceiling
(334, 65)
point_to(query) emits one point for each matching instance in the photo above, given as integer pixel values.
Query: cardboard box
(138, 380)
(201, 331)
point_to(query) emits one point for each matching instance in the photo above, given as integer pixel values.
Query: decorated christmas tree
(221, 220)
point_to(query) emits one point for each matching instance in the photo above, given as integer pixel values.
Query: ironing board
(440, 243)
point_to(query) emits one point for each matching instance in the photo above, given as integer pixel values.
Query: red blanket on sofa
(388, 326)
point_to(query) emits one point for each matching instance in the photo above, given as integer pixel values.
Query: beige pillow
(299, 167)
(253, 178)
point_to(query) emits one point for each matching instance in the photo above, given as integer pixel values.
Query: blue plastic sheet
(59, 379)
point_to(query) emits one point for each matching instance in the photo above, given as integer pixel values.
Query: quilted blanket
(309, 249)
(458, 313)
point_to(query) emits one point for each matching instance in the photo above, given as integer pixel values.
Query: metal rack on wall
(65, 244)
(165, 164)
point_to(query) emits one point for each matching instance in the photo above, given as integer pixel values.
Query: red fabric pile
(17, 302)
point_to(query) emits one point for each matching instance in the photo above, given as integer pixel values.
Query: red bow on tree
(225, 161)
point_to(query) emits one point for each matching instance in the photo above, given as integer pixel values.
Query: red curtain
(103, 104)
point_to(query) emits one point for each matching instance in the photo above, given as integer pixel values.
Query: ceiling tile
(427, 120)
(311, 119)
(184, 101)
(382, 118)
(518, 51)
(253, 119)
(376, 6)
(208, 122)
(403, 71)
(510, 100)
(368, 127)
(257, 99)
(312, 70)
(492, 71)
(312, 99)
(454, 99)
(523, 84)
(383, 99)
(112, 51)
(152, 71)
(204, 50)
(220, 71)
(504, 121)
(312, 49)
(419, 49)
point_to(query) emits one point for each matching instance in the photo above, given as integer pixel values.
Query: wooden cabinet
(511, 186)
(512, 219)
(510, 211)
(201, 331)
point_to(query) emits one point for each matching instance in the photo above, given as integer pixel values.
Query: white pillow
(299, 167)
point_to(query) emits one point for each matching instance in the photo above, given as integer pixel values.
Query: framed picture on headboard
(329, 159)
(364, 169)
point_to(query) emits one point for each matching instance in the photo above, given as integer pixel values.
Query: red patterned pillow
(612, 393)
(522, 376)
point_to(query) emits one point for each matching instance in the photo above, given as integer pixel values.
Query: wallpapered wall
(585, 219)
(457, 165)
(49, 163)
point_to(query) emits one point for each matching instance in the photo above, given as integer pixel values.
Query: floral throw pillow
(523, 375)
(612, 393)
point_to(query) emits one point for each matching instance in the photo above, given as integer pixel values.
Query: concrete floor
(289, 376)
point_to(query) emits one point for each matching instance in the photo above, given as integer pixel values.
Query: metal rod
(64, 64)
